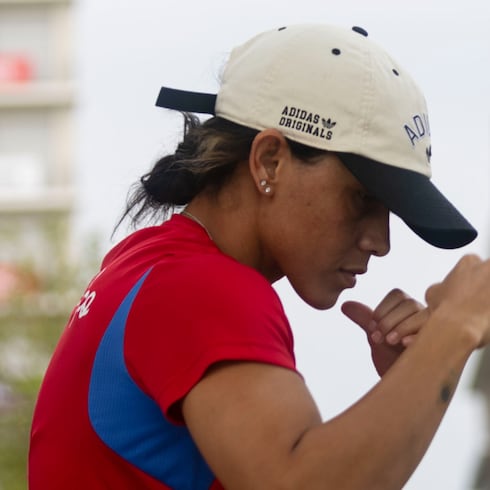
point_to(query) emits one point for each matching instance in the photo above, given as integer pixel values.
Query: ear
(268, 154)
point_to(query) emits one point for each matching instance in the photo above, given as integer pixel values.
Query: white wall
(127, 50)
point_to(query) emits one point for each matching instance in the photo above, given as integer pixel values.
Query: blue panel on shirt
(131, 423)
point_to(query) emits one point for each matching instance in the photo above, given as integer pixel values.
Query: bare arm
(258, 426)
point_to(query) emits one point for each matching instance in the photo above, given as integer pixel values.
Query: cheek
(312, 265)
(307, 239)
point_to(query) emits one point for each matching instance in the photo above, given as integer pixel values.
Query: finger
(398, 315)
(389, 302)
(463, 270)
(362, 315)
(408, 340)
(433, 294)
(359, 313)
(408, 327)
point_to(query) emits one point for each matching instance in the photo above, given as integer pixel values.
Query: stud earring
(267, 188)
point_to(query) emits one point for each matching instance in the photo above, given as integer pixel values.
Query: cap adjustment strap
(184, 101)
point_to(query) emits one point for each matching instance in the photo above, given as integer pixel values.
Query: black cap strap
(181, 100)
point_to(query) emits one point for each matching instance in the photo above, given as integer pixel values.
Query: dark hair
(205, 159)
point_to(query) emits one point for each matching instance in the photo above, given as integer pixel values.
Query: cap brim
(415, 199)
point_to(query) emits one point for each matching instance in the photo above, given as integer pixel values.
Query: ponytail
(203, 161)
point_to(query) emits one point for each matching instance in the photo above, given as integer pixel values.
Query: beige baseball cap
(332, 88)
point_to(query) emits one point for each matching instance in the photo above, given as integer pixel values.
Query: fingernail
(406, 341)
(377, 337)
(392, 338)
(372, 325)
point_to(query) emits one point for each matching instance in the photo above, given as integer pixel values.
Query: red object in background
(15, 68)
(15, 281)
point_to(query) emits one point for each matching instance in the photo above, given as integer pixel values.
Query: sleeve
(190, 316)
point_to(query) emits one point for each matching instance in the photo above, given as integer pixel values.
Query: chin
(320, 301)
(322, 305)
(320, 295)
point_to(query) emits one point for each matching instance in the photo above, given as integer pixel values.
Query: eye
(364, 196)
(365, 200)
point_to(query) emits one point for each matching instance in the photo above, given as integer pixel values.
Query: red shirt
(166, 305)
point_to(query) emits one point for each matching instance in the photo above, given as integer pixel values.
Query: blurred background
(78, 82)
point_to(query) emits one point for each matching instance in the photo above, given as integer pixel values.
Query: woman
(177, 370)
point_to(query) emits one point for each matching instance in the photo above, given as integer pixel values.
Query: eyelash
(364, 195)
(365, 200)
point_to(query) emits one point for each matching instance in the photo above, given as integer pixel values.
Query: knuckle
(412, 304)
(383, 326)
(398, 293)
(431, 292)
(469, 260)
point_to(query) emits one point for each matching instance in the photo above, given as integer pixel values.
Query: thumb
(359, 313)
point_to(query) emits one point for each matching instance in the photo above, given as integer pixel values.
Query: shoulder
(206, 277)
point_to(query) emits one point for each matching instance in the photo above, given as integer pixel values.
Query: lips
(348, 278)
(354, 270)
(349, 275)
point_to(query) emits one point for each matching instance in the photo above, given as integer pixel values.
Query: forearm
(258, 426)
(378, 442)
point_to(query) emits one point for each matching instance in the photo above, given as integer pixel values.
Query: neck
(233, 229)
(197, 220)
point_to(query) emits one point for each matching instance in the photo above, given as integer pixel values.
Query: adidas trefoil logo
(328, 123)
(428, 152)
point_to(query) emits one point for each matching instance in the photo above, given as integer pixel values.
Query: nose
(375, 237)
